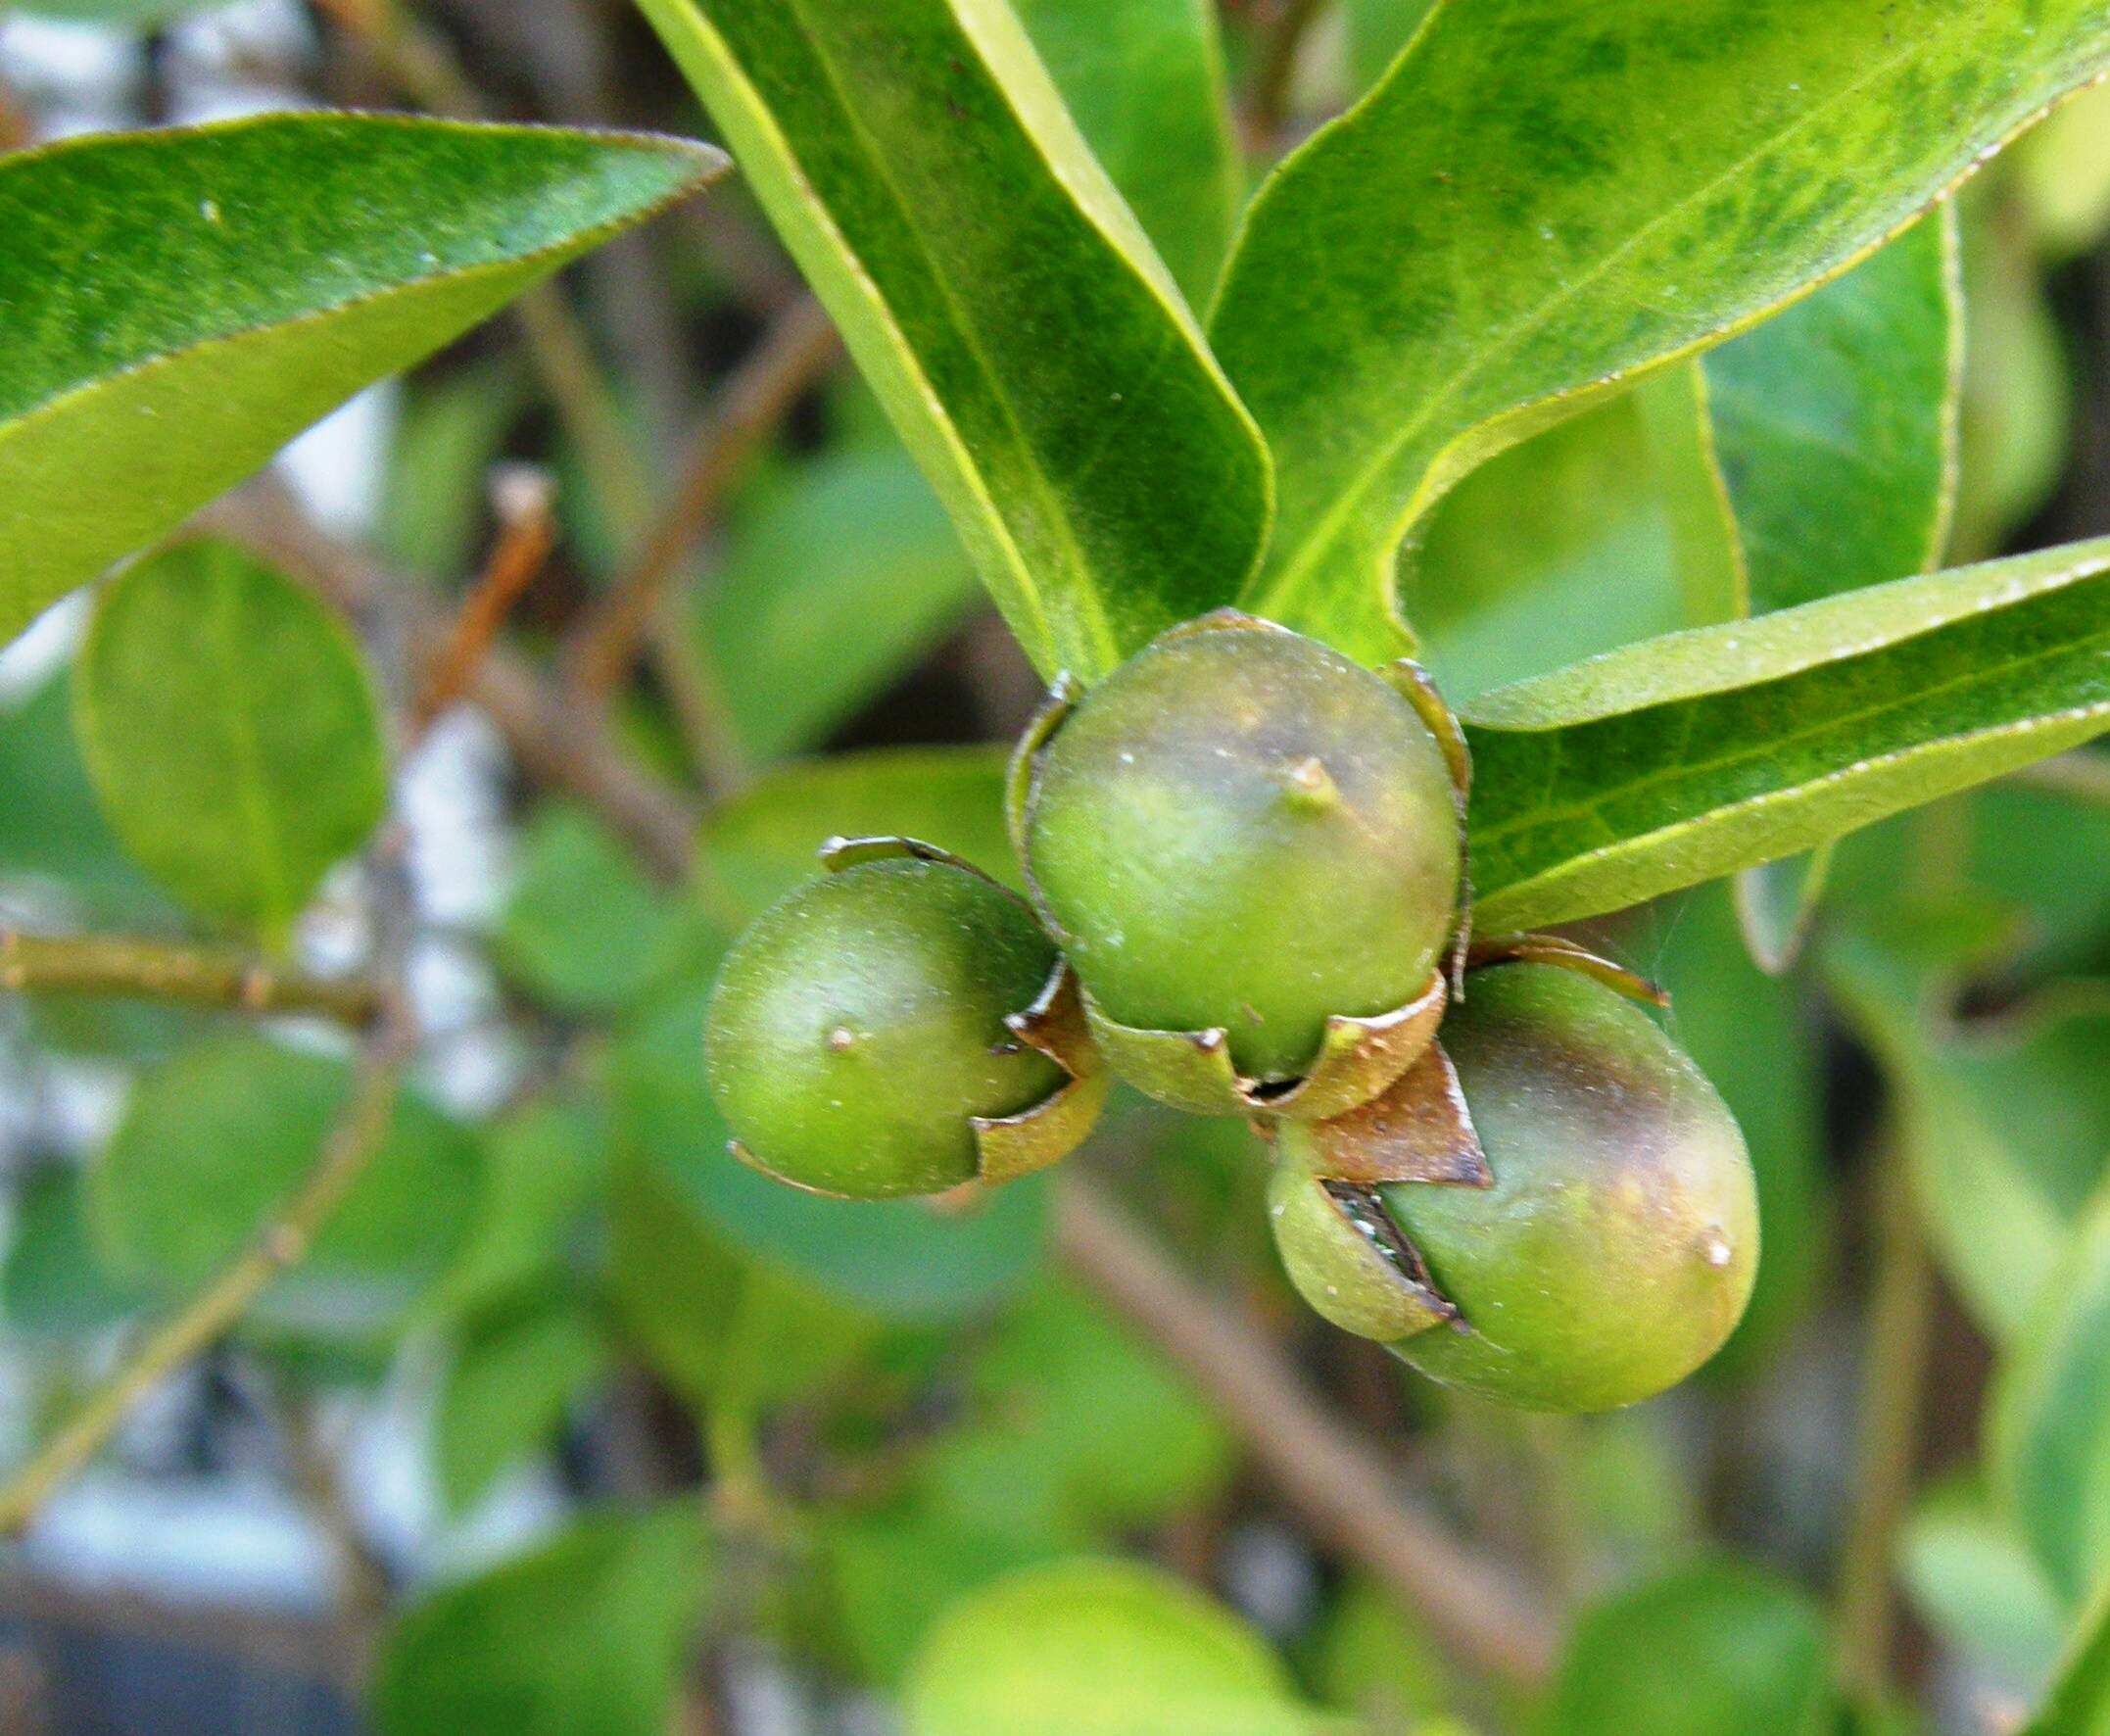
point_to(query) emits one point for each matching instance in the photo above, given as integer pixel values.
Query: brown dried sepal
(1557, 949)
(1419, 1130)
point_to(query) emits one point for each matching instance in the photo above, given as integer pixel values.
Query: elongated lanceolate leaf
(1542, 200)
(175, 306)
(1688, 756)
(1001, 299)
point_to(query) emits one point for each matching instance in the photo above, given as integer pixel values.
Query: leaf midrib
(1776, 746)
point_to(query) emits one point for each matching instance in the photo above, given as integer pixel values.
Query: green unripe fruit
(857, 1029)
(1615, 1250)
(1241, 830)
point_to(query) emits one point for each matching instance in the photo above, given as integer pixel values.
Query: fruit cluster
(1246, 863)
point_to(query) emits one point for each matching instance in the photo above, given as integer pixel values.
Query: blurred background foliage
(570, 1425)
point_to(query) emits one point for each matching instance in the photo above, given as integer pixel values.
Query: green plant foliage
(583, 1637)
(894, 1258)
(214, 1139)
(1686, 757)
(834, 581)
(1001, 299)
(516, 1369)
(545, 1166)
(2051, 1429)
(2079, 1703)
(232, 730)
(1144, 82)
(53, 1281)
(1716, 1648)
(143, 12)
(182, 303)
(1672, 171)
(2007, 1134)
(447, 437)
(584, 930)
(760, 846)
(1108, 1647)
(1975, 1583)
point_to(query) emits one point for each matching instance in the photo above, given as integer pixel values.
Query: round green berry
(857, 1030)
(1241, 830)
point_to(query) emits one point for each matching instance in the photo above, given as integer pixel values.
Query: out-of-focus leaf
(1377, 30)
(1375, 1659)
(1002, 301)
(2079, 1703)
(1716, 1648)
(142, 13)
(1558, 549)
(50, 827)
(182, 304)
(1682, 758)
(1975, 1583)
(896, 1258)
(1082, 1431)
(767, 840)
(213, 1140)
(2051, 1411)
(543, 1164)
(1108, 1647)
(447, 438)
(53, 1281)
(1144, 82)
(1750, 1037)
(1543, 201)
(514, 1370)
(2008, 1135)
(2017, 398)
(831, 587)
(584, 930)
(2062, 174)
(586, 1636)
(721, 1329)
(232, 733)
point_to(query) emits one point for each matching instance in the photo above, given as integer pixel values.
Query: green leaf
(894, 1257)
(2063, 177)
(1543, 201)
(584, 930)
(2009, 1135)
(142, 13)
(832, 586)
(2079, 1703)
(543, 1165)
(766, 841)
(232, 730)
(2051, 1416)
(211, 1144)
(451, 432)
(1976, 1584)
(587, 1636)
(182, 304)
(1377, 30)
(1688, 756)
(515, 1371)
(1717, 1649)
(1002, 301)
(1376, 1657)
(1144, 82)
(1079, 1431)
(53, 1281)
(1107, 1647)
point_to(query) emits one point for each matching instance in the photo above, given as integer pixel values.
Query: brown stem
(527, 532)
(134, 965)
(279, 1244)
(1337, 1481)
(746, 408)
(1276, 70)
(556, 742)
(1900, 1314)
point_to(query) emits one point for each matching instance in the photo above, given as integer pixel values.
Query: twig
(1893, 1384)
(280, 1244)
(556, 742)
(134, 965)
(527, 532)
(1275, 70)
(792, 355)
(1337, 1481)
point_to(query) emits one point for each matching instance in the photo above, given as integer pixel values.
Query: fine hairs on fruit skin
(1242, 829)
(857, 1028)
